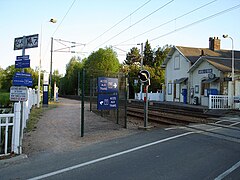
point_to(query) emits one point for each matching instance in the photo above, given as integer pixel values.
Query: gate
(6, 133)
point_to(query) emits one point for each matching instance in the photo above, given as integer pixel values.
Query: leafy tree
(69, 84)
(1, 77)
(133, 56)
(102, 62)
(148, 55)
(160, 54)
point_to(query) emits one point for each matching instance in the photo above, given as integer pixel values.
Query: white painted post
(16, 148)
(210, 102)
(6, 135)
(230, 94)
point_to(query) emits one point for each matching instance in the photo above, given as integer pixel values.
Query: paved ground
(58, 130)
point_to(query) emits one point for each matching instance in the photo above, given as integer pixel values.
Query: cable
(174, 19)
(119, 22)
(64, 17)
(199, 21)
(136, 23)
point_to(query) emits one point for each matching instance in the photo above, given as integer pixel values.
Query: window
(196, 89)
(169, 88)
(177, 62)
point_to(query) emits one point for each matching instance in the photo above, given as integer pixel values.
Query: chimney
(214, 43)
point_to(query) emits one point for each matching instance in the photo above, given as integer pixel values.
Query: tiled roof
(193, 54)
(224, 64)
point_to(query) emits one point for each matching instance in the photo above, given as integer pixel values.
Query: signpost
(107, 102)
(107, 85)
(22, 79)
(18, 93)
(22, 62)
(107, 94)
(30, 42)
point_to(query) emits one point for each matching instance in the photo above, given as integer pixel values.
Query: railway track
(169, 114)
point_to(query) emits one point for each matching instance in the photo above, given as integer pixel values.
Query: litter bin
(195, 100)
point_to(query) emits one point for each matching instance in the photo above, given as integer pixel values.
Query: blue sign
(107, 85)
(22, 81)
(22, 63)
(107, 101)
(22, 74)
(25, 57)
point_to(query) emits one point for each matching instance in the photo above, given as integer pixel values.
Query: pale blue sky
(88, 19)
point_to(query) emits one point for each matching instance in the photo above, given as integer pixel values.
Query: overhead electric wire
(174, 19)
(64, 17)
(60, 24)
(120, 21)
(199, 21)
(136, 23)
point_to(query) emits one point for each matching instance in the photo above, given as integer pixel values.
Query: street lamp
(39, 68)
(233, 78)
(50, 78)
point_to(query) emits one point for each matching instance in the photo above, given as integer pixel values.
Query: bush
(4, 99)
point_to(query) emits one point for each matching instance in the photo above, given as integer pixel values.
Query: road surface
(209, 151)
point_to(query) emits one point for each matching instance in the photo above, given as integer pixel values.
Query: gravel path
(58, 129)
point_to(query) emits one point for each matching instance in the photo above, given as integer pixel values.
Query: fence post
(16, 148)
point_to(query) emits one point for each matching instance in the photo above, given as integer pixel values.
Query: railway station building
(192, 74)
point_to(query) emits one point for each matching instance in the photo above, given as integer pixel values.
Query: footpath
(58, 130)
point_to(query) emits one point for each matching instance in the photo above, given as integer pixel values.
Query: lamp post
(50, 78)
(233, 78)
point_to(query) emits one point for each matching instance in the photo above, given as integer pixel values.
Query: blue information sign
(22, 63)
(22, 74)
(23, 57)
(107, 85)
(107, 101)
(22, 81)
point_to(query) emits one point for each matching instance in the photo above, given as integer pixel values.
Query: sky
(120, 24)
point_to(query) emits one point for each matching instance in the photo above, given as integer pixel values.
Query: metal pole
(233, 75)
(22, 114)
(146, 108)
(91, 92)
(50, 78)
(126, 98)
(39, 71)
(141, 87)
(82, 107)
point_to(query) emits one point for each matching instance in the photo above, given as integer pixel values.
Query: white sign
(18, 93)
(30, 42)
(45, 78)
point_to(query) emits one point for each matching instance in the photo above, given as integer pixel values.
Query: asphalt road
(195, 152)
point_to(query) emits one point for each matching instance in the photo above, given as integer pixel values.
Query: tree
(133, 56)
(69, 84)
(102, 62)
(148, 55)
(160, 54)
(56, 77)
(1, 77)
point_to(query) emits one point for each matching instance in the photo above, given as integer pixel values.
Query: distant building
(191, 74)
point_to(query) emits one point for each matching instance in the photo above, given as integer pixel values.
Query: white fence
(223, 102)
(12, 125)
(159, 96)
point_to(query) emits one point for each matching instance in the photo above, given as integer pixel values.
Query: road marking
(227, 172)
(109, 157)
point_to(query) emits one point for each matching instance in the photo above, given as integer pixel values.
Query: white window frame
(176, 62)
